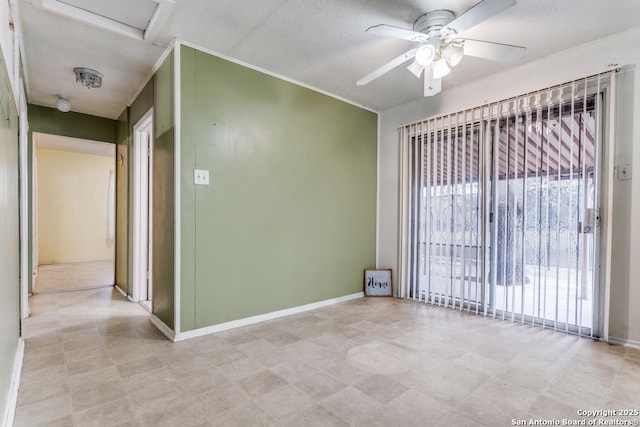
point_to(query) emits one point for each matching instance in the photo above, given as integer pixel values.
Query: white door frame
(34, 215)
(142, 198)
(24, 204)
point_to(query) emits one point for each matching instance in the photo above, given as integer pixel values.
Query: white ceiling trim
(17, 23)
(272, 74)
(159, 18)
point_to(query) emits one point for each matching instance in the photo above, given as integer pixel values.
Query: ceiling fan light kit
(416, 69)
(452, 54)
(440, 68)
(441, 47)
(425, 54)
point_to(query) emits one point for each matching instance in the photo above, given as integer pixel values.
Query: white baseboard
(12, 398)
(74, 261)
(624, 342)
(166, 330)
(262, 317)
(124, 294)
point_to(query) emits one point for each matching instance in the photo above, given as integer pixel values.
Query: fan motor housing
(433, 21)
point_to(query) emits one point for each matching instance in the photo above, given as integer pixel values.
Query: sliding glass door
(542, 215)
(501, 209)
(448, 197)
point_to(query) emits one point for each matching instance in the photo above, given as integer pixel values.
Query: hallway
(75, 344)
(74, 276)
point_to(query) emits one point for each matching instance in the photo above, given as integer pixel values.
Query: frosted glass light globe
(425, 54)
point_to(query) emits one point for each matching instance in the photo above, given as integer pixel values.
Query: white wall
(579, 62)
(73, 207)
(11, 344)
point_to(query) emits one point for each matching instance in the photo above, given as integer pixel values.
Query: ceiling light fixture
(440, 68)
(416, 69)
(425, 54)
(452, 54)
(437, 32)
(63, 104)
(92, 79)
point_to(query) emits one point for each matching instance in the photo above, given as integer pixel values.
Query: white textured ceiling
(321, 43)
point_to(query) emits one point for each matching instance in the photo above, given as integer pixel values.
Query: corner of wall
(12, 398)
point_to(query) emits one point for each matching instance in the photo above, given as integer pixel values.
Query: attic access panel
(136, 14)
(140, 20)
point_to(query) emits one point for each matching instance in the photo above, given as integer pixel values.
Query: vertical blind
(498, 207)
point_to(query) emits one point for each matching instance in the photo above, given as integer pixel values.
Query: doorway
(74, 213)
(142, 291)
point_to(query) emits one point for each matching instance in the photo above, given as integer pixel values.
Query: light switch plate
(201, 177)
(624, 172)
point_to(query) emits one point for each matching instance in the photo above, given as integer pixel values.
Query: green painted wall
(75, 125)
(289, 216)
(163, 243)
(9, 239)
(141, 105)
(122, 202)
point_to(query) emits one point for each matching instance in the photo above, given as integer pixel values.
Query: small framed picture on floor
(378, 283)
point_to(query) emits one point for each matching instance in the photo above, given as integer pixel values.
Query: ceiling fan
(440, 46)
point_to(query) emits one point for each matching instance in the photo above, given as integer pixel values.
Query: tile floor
(94, 359)
(74, 276)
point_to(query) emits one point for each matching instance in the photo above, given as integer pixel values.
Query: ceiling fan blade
(494, 51)
(397, 32)
(431, 86)
(472, 17)
(387, 67)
